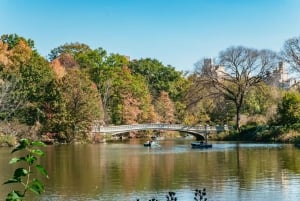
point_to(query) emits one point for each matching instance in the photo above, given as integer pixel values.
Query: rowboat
(201, 145)
(151, 144)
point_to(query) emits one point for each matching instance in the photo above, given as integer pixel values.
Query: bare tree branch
(10, 99)
(291, 52)
(239, 70)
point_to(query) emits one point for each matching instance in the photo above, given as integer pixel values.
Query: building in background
(279, 77)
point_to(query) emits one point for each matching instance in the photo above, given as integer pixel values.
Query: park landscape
(58, 101)
(61, 99)
(77, 121)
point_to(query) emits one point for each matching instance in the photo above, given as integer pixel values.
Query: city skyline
(177, 32)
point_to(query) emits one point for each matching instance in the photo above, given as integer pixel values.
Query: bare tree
(239, 70)
(10, 99)
(291, 52)
(107, 92)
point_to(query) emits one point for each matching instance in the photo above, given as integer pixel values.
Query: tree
(80, 105)
(55, 118)
(159, 77)
(165, 108)
(13, 39)
(204, 108)
(120, 89)
(10, 99)
(116, 61)
(130, 108)
(92, 62)
(262, 101)
(240, 69)
(162, 78)
(68, 48)
(35, 76)
(289, 110)
(291, 52)
(197, 102)
(15, 51)
(24, 75)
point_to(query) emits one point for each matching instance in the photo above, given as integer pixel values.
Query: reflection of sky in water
(217, 146)
(246, 146)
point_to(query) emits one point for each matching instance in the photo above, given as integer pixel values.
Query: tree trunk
(237, 121)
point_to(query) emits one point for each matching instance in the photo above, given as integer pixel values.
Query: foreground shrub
(22, 175)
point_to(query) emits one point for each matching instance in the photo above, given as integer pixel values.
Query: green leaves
(23, 175)
(37, 152)
(30, 159)
(36, 187)
(42, 170)
(289, 109)
(20, 172)
(38, 143)
(80, 105)
(14, 196)
(15, 160)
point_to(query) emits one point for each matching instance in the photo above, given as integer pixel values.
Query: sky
(176, 32)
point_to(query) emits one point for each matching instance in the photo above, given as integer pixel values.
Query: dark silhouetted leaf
(10, 181)
(42, 170)
(20, 172)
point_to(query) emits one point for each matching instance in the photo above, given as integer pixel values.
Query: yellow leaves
(12, 59)
(21, 53)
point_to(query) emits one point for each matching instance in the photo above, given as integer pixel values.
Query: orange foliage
(4, 54)
(131, 109)
(58, 68)
(165, 108)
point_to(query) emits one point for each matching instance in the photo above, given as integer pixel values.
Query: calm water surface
(127, 171)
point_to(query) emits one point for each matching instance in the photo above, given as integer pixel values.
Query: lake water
(128, 171)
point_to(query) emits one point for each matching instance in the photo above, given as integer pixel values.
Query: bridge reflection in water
(200, 132)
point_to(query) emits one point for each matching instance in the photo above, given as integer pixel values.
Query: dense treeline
(62, 96)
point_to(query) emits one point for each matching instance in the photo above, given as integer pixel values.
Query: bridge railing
(120, 128)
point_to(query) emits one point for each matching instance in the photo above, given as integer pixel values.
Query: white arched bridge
(200, 132)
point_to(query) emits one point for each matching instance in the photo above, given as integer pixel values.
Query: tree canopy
(79, 85)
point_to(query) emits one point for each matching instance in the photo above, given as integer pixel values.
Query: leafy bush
(22, 175)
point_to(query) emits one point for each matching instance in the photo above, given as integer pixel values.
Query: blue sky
(176, 32)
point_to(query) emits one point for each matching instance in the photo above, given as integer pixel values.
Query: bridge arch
(200, 132)
(198, 136)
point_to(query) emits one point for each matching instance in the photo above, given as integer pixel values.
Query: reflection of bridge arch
(200, 132)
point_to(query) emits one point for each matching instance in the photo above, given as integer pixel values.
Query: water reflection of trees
(97, 169)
